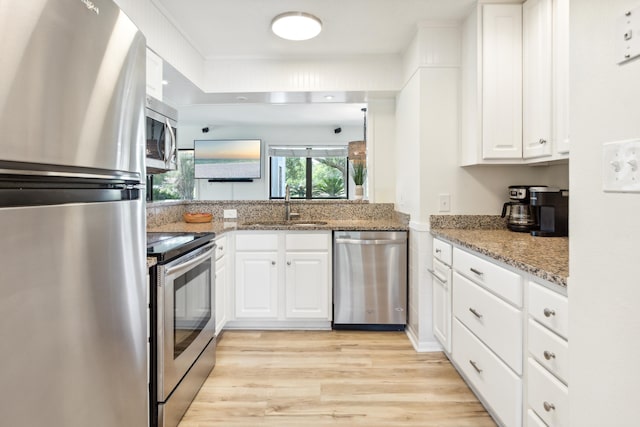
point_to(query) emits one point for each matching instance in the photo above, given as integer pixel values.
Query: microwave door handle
(188, 264)
(171, 155)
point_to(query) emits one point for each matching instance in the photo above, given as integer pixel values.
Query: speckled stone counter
(220, 227)
(543, 257)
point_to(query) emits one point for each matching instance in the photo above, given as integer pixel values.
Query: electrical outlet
(444, 203)
(230, 213)
(621, 166)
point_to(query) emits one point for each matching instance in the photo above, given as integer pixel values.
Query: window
(310, 172)
(174, 185)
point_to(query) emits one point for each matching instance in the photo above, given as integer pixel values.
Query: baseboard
(424, 346)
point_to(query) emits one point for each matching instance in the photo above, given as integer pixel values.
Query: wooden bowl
(197, 217)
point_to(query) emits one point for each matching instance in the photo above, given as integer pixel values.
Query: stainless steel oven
(183, 309)
(161, 131)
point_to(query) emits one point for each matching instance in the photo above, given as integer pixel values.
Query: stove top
(168, 246)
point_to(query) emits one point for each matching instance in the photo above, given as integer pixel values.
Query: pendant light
(358, 149)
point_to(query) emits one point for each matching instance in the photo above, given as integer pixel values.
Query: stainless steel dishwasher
(370, 280)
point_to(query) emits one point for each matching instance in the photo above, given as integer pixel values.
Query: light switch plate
(230, 213)
(621, 166)
(628, 35)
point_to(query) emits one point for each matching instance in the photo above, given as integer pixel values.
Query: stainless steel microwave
(161, 128)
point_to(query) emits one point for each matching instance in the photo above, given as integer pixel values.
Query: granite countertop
(220, 227)
(543, 257)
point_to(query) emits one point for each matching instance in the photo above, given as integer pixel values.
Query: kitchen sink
(285, 223)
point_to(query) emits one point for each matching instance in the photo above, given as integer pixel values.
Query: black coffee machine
(521, 216)
(552, 209)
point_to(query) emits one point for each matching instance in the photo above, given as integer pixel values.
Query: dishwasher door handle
(371, 241)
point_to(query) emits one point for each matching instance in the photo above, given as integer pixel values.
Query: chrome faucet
(287, 207)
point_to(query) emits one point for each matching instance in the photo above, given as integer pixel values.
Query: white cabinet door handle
(548, 312)
(548, 406)
(476, 272)
(549, 355)
(475, 366)
(475, 313)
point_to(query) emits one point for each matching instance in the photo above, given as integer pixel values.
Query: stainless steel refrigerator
(73, 295)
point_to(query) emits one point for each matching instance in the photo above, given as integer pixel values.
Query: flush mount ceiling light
(296, 26)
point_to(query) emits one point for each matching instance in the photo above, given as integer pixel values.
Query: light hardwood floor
(331, 378)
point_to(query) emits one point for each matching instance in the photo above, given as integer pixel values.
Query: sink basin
(285, 223)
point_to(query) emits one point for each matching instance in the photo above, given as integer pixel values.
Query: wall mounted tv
(228, 159)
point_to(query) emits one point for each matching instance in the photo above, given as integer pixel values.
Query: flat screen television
(228, 159)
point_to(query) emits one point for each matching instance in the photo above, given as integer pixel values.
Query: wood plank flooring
(331, 378)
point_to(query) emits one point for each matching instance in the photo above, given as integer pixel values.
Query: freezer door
(73, 315)
(72, 85)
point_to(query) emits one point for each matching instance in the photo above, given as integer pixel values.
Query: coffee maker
(521, 215)
(552, 209)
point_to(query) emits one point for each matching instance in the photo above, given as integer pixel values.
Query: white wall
(604, 287)
(270, 135)
(381, 150)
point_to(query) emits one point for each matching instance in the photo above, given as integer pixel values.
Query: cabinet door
(561, 75)
(502, 81)
(221, 293)
(537, 72)
(256, 285)
(307, 285)
(442, 304)
(154, 75)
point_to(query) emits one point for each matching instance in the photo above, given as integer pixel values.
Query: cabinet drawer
(549, 308)
(442, 251)
(550, 350)
(498, 280)
(547, 396)
(319, 241)
(496, 383)
(496, 323)
(257, 242)
(534, 420)
(221, 247)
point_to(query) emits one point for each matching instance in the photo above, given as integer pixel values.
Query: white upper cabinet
(492, 85)
(515, 83)
(537, 77)
(502, 81)
(561, 76)
(154, 75)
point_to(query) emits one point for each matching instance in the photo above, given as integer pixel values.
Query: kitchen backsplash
(160, 213)
(468, 222)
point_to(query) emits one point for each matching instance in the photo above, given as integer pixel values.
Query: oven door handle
(188, 264)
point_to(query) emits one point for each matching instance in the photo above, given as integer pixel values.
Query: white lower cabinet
(221, 283)
(282, 278)
(307, 293)
(256, 285)
(548, 350)
(509, 337)
(547, 396)
(442, 304)
(492, 379)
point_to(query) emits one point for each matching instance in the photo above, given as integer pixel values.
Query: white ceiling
(228, 28)
(241, 28)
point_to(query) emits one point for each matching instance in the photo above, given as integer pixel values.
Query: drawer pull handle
(221, 248)
(548, 406)
(273, 263)
(288, 262)
(438, 251)
(549, 355)
(477, 272)
(548, 312)
(475, 313)
(542, 141)
(442, 280)
(475, 366)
